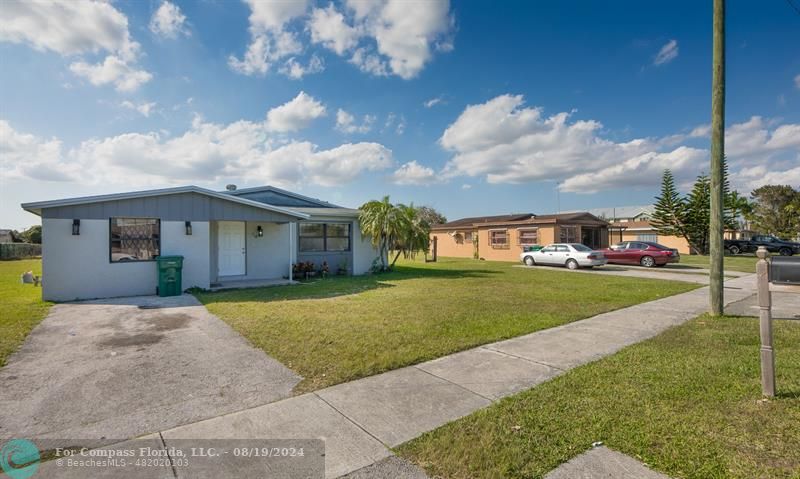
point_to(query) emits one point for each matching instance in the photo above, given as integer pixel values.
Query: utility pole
(717, 154)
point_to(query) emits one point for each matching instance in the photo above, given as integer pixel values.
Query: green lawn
(745, 263)
(21, 305)
(686, 403)
(344, 328)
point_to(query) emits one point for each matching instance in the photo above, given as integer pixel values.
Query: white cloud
(264, 50)
(27, 156)
(398, 123)
(466, 186)
(412, 173)
(77, 28)
(700, 131)
(405, 35)
(506, 142)
(433, 102)
(797, 81)
(168, 21)
(380, 37)
(369, 62)
(67, 27)
(667, 53)
(346, 123)
(640, 170)
(145, 108)
(329, 27)
(295, 114)
(206, 153)
(269, 39)
(295, 70)
(113, 70)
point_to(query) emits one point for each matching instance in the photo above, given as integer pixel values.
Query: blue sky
(472, 108)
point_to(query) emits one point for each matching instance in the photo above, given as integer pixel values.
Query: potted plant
(324, 270)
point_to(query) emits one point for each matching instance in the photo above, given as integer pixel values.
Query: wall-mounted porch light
(76, 227)
(259, 231)
(188, 225)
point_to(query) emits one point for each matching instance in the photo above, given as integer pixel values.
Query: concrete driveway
(116, 369)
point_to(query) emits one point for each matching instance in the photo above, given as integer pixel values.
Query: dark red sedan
(644, 253)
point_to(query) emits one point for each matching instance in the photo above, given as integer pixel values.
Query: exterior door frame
(244, 248)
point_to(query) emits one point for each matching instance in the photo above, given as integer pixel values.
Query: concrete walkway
(600, 463)
(360, 420)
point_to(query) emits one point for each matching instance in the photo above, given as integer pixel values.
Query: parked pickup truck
(773, 245)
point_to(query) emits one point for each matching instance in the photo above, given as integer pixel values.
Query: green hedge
(19, 250)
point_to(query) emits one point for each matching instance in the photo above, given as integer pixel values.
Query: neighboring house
(632, 223)
(502, 238)
(106, 246)
(6, 236)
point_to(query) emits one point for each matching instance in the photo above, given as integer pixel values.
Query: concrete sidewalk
(360, 420)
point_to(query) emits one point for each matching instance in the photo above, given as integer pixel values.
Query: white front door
(231, 246)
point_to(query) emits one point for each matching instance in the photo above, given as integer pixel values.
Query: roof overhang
(37, 207)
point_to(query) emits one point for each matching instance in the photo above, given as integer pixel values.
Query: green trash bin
(170, 272)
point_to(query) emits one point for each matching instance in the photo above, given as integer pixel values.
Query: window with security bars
(134, 239)
(498, 239)
(528, 236)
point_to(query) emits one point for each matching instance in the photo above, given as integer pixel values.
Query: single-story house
(633, 223)
(502, 238)
(106, 246)
(6, 236)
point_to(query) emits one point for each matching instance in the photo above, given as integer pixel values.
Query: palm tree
(381, 221)
(739, 208)
(414, 232)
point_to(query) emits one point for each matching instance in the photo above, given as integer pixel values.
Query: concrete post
(765, 319)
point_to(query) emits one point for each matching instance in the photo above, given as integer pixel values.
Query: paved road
(688, 275)
(121, 368)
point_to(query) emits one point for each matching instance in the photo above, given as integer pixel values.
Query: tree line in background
(404, 229)
(771, 209)
(30, 235)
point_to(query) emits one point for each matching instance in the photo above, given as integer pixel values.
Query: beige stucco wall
(447, 245)
(669, 241)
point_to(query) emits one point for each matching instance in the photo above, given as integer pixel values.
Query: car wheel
(647, 261)
(572, 264)
(785, 252)
(529, 261)
(734, 249)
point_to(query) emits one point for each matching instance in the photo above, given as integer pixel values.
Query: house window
(653, 238)
(134, 239)
(468, 237)
(318, 237)
(498, 238)
(528, 236)
(568, 234)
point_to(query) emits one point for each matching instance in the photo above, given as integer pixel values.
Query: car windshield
(580, 247)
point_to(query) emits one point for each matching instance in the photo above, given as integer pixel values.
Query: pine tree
(669, 210)
(698, 214)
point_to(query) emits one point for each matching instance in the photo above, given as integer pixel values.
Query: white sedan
(571, 255)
